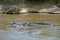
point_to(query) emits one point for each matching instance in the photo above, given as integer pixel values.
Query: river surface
(48, 33)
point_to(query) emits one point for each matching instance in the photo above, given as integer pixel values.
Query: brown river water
(48, 33)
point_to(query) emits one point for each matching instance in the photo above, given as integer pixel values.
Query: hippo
(15, 25)
(44, 23)
(21, 25)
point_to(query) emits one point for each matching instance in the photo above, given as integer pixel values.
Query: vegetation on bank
(14, 6)
(29, 1)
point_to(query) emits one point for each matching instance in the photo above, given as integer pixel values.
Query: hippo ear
(14, 23)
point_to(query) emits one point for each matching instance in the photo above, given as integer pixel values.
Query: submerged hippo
(15, 25)
(44, 23)
(32, 23)
(21, 25)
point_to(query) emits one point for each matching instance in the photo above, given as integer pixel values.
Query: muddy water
(47, 34)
